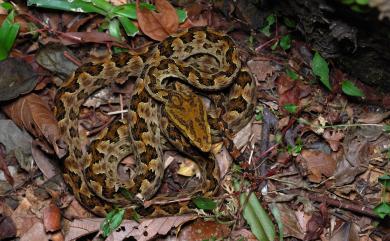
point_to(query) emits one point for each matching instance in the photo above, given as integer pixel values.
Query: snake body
(165, 105)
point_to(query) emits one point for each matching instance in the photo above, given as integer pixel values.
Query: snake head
(188, 114)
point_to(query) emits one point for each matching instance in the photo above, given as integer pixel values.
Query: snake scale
(166, 105)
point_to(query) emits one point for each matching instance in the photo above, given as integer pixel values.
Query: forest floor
(314, 157)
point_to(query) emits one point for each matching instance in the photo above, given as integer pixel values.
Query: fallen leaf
(36, 232)
(316, 225)
(4, 166)
(52, 218)
(354, 161)
(16, 77)
(23, 217)
(243, 234)
(145, 230)
(373, 117)
(347, 231)
(7, 227)
(52, 57)
(333, 138)
(204, 230)
(33, 114)
(188, 168)
(158, 25)
(44, 163)
(12, 137)
(288, 90)
(318, 163)
(291, 225)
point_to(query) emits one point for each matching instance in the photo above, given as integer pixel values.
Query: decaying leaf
(318, 163)
(204, 230)
(36, 232)
(52, 218)
(33, 114)
(333, 138)
(373, 117)
(347, 231)
(7, 227)
(158, 25)
(52, 58)
(16, 77)
(23, 217)
(317, 223)
(355, 159)
(145, 230)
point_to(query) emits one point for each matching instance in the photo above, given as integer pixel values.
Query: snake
(166, 108)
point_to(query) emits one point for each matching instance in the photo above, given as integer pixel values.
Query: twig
(343, 205)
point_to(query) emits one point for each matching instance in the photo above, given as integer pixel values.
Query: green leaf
(113, 29)
(285, 42)
(291, 73)
(257, 218)
(291, 108)
(130, 29)
(385, 180)
(182, 14)
(103, 4)
(129, 10)
(204, 203)
(74, 6)
(349, 88)
(382, 210)
(269, 21)
(362, 2)
(321, 69)
(8, 32)
(348, 2)
(289, 22)
(7, 6)
(112, 221)
(386, 128)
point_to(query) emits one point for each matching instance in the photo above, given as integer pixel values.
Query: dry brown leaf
(7, 227)
(373, 117)
(347, 231)
(23, 217)
(52, 218)
(318, 163)
(158, 25)
(333, 138)
(243, 234)
(355, 159)
(36, 232)
(16, 77)
(291, 224)
(262, 70)
(43, 162)
(30, 112)
(203, 230)
(145, 230)
(4, 166)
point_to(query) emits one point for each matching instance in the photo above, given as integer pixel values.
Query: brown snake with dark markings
(165, 103)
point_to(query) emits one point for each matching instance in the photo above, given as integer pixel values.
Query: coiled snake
(166, 104)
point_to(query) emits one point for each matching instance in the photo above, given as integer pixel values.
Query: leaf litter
(323, 142)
